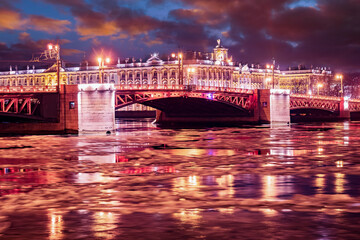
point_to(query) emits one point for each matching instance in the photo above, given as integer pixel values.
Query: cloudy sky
(309, 32)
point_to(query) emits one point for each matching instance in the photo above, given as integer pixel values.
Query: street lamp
(267, 81)
(340, 76)
(272, 66)
(320, 85)
(189, 70)
(102, 67)
(54, 52)
(181, 66)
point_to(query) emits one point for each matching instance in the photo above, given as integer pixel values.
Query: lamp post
(273, 74)
(340, 76)
(54, 52)
(320, 85)
(271, 66)
(101, 68)
(267, 81)
(180, 66)
(189, 70)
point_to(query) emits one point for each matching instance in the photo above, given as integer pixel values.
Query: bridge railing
(318, 97)
(29, 89)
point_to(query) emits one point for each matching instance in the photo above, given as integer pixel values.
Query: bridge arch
(182, 103)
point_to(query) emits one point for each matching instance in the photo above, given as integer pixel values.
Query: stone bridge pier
(87, 108)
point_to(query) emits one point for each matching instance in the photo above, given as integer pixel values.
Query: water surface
(144, 182)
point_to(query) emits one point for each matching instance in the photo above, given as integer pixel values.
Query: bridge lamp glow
(107, 60)
(50, 46)
(191, 70)
(320, 85)
(99, 60)
(210, 96)
(173, 55)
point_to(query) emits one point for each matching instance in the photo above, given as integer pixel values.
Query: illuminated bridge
(174, 103)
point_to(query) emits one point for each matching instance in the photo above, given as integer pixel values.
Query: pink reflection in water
(15, 180)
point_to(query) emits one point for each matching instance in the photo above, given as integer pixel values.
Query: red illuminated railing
(320, 97)
(26, 89)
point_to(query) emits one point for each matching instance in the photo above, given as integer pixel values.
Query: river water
(143, 182)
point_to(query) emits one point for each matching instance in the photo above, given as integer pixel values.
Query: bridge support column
(96, 107)
(274, 106)
(344, 109)
(87, 107)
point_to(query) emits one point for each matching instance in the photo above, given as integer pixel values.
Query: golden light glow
(269, 212)
(226, 183)
(339, 164)
(50, 46)
(191, 70)
(339, 76)
(339, 182)
(320, 150)
(173, 55)
(107, 60)
(320, 85)
(56, 225)
(180, 55)
(189, 216)
(269, 189)
(193, 181)
(103, 222)
(320, 182)
(99, 60)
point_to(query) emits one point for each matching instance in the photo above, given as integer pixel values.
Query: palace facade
(204, 69)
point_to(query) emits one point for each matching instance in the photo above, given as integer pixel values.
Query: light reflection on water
(192, 183)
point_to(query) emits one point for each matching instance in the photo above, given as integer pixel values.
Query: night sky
(321, 33)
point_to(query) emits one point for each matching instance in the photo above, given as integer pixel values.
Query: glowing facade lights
(102, 67)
